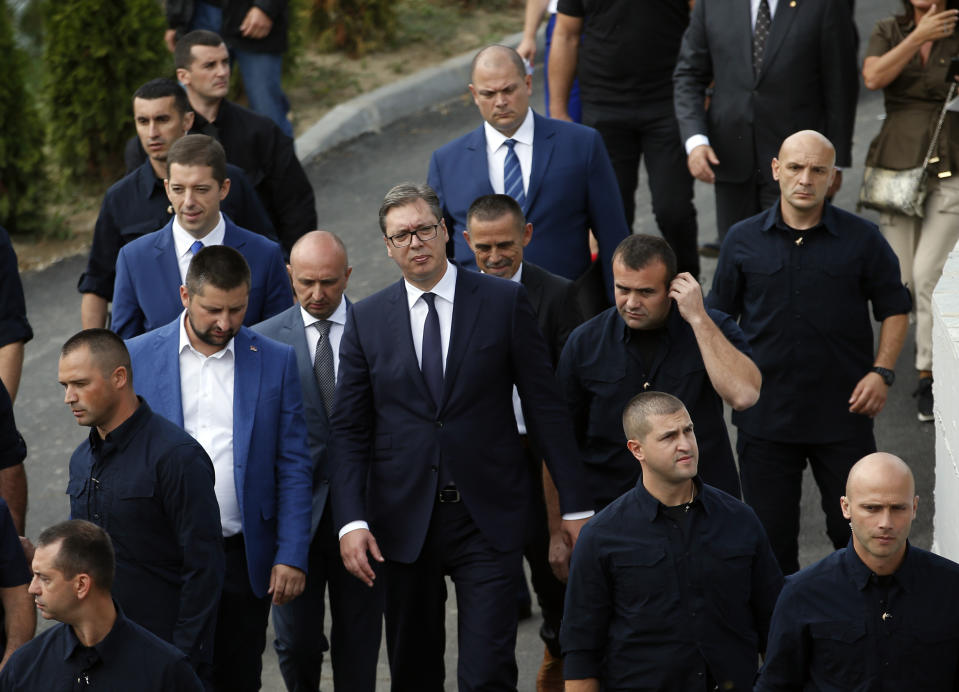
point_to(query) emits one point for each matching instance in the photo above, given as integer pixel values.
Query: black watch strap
(887, 375)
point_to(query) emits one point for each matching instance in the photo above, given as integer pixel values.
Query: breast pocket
(79, 498)
(766, 283)
(728, 571)
(838, 651)
(644, 584)
(608, 393)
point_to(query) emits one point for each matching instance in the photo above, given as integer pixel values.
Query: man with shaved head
(800, 278)
(319, 270)
(150, 485)
(879, 614)
(558, 172)
(671, 586)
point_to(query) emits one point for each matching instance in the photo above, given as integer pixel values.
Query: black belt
(449, 495)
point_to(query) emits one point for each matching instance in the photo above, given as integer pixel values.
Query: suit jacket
(809, 80)
(146, 294)
(271, 463)
(389, 439)
(572, 188)
(554, 302)
(287, 328)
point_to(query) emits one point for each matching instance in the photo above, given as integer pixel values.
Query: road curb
(370, 112)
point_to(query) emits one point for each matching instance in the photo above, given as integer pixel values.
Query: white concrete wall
(945, 356)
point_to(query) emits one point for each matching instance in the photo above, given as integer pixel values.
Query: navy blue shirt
(150, 486)
(137, 204)
(13, 450)
(839, 628)
(128, 658)
(13, 308)
(802, 299)
(599, 373)
(656, 604)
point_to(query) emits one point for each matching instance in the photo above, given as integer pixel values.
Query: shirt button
(434, 468)
(96, 516)
(439, 424)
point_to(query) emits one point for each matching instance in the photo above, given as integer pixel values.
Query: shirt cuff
(582, 665)
(576, 516)
(695, 141)
(353, 526)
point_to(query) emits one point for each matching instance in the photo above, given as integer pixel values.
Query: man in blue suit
(565, 186)
(320, 270)
(151, 269)
(428, 457)
(238, 394)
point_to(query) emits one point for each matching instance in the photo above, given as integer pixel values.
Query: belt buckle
(449, 495)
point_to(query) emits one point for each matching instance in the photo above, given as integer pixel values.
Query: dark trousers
(241, 623)
(357, 622)
(772, 473)
(485, 582)
(650, 131)
(738, 201)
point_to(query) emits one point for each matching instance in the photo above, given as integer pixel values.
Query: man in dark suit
(559, 173)
(320, 270)
(775, 66)
(256, 438)
(427, 452)
(151, 269)
(497, 233)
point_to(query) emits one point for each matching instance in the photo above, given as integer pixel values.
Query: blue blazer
(572, 188)
(272, 467)
(389, 439)
(287, 328)
(146, 294)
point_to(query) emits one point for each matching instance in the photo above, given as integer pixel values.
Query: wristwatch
(888, 376)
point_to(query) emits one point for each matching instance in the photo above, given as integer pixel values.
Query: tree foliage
(353, 26)
(22, 182)
(97, 52)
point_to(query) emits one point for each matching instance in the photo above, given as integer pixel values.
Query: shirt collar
(107, 647)
(860, 573)
(495, 138)
(673, 321)
(147, 182)
(338, 316)
(774, 219)
(182, 240)
(445, 288)
(518, 276)
(649, 506)
(185, 342)
(121, 435)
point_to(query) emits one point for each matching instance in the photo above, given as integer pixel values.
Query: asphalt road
(350, 182)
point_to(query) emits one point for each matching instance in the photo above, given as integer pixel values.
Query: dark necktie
(760, 34)
(513, 175)
(196, 247)
(323, 365)
(431, 354)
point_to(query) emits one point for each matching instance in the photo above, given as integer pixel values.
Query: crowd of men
(259, 443)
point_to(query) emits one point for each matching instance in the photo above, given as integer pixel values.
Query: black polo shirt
(656, 604)
(128, 658)
(838, 627)
(802, 299)
(137, 204)
(150, 486)
(600, 371)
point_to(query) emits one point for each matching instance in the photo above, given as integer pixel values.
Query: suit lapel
(466, 308)
(167, 360)
(168, 274)
(293, 332)
(476, 162)
(398, 324)
(543, 140)
(786, 12)
(246, 393)
(230, 236)
(534, 287)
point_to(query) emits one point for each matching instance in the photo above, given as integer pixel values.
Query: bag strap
(942, 116)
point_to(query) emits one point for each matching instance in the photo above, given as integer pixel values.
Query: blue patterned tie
(431, 355)
(513, 175)
(196, 247)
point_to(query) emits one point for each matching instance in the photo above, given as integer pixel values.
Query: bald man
(880, 614)
(319, 270)
(800, 278)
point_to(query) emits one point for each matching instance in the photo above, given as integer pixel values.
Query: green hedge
(22, 182)
(353, 26)
(97, 52)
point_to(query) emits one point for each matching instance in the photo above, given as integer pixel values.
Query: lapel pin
(253, 348)
(169, 209)
(792, 3)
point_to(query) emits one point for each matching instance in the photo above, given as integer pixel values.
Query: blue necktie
(196, 247)
(431, 355)
(513, 175)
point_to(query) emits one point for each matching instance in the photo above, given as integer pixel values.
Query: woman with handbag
(908, 57)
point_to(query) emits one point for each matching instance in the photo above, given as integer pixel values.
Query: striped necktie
(513, 175)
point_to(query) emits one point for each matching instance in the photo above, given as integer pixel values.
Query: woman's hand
(879, 71)
(935, 25)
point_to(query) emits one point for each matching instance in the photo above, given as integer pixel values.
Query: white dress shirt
(496, 152)
(206, 392)
(182, 240)
(517, 406)
(337, 322)
(700, 139)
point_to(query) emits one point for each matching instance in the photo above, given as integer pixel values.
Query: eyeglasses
(424, 233)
